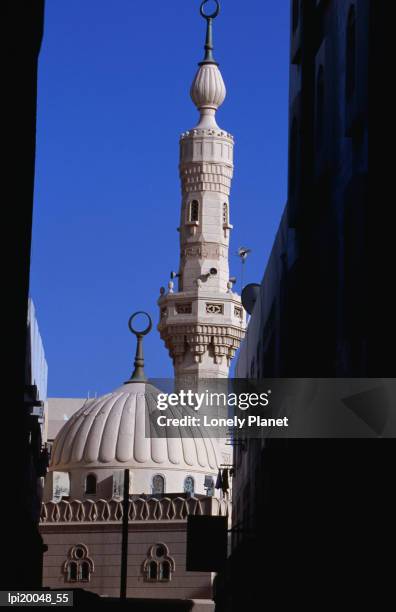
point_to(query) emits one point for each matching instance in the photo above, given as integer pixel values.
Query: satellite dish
(249, 296)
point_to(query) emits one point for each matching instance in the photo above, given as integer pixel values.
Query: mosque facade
(202, 323)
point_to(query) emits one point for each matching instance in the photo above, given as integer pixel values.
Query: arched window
(158, 566)
(60, 486)
(165, 570)
(209, 485)
(153, 570)
(194, 211)
(79, 552)
(350, 72)
(84, 571)
(158, 485)
(293, 161)
(225, 213)
(90, 484)
(78, 567)
(72, 572)
(320, 100)
(189, 485)
(296, 14)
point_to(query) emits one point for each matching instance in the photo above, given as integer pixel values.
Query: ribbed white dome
(110, 432)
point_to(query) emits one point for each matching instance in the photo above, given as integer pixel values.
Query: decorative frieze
(205, 250)
(207, 132)
(199, 187)
(238, 312)
(141, 509)
(204, 169)
(217, 340)
(206, 177)
(216, 309)
(184, 308)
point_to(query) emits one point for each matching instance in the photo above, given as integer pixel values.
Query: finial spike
(138, 374)
(209, 59)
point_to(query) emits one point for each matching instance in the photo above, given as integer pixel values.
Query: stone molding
(220, 168)
(207, 132)
(222, 340)
(206, 177)
(141, 509)
(204, 250)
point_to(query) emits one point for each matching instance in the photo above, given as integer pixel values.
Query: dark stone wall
(22, 30)
(315, 516)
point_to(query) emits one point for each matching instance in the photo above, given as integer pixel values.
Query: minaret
(203, 322)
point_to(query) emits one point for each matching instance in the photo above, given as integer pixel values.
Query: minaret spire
(203, 322)
(138, 374)
(209, 59)
(208, 91)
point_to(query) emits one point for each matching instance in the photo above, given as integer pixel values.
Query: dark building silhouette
(308, 514)
(21, 542)
(326, 297)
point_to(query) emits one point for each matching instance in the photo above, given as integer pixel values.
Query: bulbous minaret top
(208, 91)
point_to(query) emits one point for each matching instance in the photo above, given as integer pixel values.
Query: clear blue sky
(113, 98)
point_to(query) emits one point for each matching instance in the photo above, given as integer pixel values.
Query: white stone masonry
(203, 322)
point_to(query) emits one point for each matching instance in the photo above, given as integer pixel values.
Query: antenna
(242, 253)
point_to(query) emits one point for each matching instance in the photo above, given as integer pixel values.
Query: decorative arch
(78, 566)
(158, 566)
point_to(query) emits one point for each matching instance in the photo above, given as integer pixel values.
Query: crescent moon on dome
(144, 331)
(214, 14)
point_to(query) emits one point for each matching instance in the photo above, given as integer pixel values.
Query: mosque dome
(110, 431)
(119, 431)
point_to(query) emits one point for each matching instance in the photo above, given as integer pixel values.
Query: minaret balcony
(202, 308)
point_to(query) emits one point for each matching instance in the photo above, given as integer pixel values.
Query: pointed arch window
(350, 73)
(158, 485)
(90, 484)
